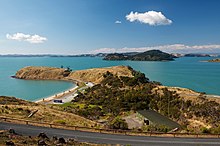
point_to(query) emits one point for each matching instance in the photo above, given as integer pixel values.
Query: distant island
(214, 60)
(151, 55)
(197, 55)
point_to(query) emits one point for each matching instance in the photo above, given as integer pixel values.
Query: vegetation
(152, 55)
(118, 123)
(116, 95)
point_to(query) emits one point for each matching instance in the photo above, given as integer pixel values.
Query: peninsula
(152, 55)
(120, 91)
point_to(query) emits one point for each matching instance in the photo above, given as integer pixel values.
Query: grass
(77, 105)
(20, 109)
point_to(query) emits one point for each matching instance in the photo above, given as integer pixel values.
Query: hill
(94, 75)
(152, 55)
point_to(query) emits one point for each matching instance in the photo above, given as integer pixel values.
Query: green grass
(75, 105)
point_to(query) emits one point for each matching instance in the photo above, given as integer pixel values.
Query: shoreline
(58, 95)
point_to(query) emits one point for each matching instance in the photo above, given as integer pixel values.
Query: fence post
(174, 135)
(26, 122)
(100, 130)
(50, 125)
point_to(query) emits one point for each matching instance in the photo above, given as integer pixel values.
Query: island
(151, 55)
(214, 60)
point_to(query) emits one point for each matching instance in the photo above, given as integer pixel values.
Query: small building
(151, 117)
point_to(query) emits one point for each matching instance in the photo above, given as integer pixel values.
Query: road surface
(110, 138)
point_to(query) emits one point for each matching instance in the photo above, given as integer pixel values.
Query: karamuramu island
(117, 97)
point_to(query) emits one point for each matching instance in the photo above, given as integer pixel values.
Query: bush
(205, 130)
(119, 123)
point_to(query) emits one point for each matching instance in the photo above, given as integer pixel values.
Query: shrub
(119, 123)
(205, 130)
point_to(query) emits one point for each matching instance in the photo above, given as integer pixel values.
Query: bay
(187, 72)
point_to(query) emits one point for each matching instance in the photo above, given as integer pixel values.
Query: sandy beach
(60, 95)
(65, 96)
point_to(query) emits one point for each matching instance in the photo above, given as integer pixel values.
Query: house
(151, 117)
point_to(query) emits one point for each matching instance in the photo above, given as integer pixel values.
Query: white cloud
(34, 39)
(117, 22)
(173, 48)
(151, 17)
(104, 50)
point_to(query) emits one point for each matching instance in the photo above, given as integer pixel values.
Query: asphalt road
(110, 138)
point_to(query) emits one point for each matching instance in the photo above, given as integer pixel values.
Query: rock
(61, 140)
(41, 143)
(24, 142)
(54, 138)
(12, 131)
(71, 140)
(43, 135)
(9, 143)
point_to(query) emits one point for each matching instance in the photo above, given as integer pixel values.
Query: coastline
(58, 95)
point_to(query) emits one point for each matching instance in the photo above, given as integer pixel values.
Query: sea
(187, 72)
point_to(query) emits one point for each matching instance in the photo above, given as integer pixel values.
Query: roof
(158, 119)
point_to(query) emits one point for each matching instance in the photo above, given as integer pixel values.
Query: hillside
(21, 109)
(152, 55)
(115, 96)
(120, 90)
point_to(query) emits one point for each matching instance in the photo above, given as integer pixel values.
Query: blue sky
(92, 26)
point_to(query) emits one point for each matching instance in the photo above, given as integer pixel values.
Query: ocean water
(188, 72)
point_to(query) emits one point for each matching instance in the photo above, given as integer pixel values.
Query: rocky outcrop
(94, 75)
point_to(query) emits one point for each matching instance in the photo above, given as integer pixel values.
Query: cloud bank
(34, 39)
(173, 48)
(152, 18)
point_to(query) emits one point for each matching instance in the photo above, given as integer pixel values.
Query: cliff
(94, 75)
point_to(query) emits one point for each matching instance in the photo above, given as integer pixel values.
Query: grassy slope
(17, 108)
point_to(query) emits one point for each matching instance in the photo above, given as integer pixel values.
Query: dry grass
(21, 109)
(95, 75)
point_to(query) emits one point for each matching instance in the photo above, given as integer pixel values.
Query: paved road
(110, 138)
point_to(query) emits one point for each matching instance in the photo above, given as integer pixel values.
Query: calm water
(184, 72)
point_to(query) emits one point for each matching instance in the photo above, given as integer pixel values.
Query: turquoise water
(186, 72)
